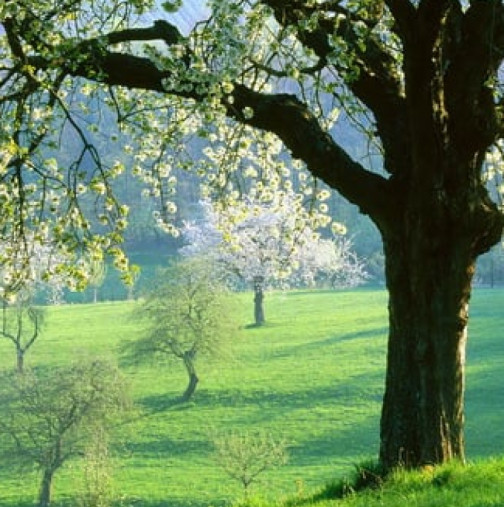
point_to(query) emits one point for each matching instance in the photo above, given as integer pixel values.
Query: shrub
(244, 456)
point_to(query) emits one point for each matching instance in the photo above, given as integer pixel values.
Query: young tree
(245, 456)
(420, 76)
(21, 319)
(46, 418)
(188, 314)
(268, 243)
(21, 324)
(98, 490)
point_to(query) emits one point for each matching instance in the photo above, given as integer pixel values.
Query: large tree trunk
(45, 488)
(423, 409)
(430, 257)
(442, 218)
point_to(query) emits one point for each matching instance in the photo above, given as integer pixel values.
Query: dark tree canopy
(420, 77)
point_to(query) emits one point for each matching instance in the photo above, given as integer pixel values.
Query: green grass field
(312, 376)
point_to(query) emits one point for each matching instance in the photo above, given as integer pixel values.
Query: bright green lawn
(313, 375)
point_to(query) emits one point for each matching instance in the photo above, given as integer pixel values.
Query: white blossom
(274, 240)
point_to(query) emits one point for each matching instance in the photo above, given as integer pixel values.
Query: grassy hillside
(312, 376)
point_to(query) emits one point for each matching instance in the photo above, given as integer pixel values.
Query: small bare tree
(21, 324)
(245, 456)
(47, 419)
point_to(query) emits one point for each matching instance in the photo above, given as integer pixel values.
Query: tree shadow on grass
(260, 407)
(340, 445)
(265, 325)
(169, 447)
(235, 398)
(156, 403)
(340, 392)
(335, 339)
(337, 391)
(17, 503)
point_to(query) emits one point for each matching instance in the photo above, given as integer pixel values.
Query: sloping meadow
(312, 377)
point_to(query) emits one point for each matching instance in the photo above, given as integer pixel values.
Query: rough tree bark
(429, 267)
(445, 220)
(422, 416)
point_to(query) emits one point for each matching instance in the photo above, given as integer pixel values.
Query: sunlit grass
(453, 485)
(313, 376)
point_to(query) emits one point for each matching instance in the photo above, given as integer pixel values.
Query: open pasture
(312, 376)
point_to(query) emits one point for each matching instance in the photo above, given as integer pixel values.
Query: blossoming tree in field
(272, 242)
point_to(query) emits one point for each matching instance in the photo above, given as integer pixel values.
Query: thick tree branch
(281, 114)
(13, 39)
(378, 83)
(122, 70)
(161, 30)
(301, 133)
